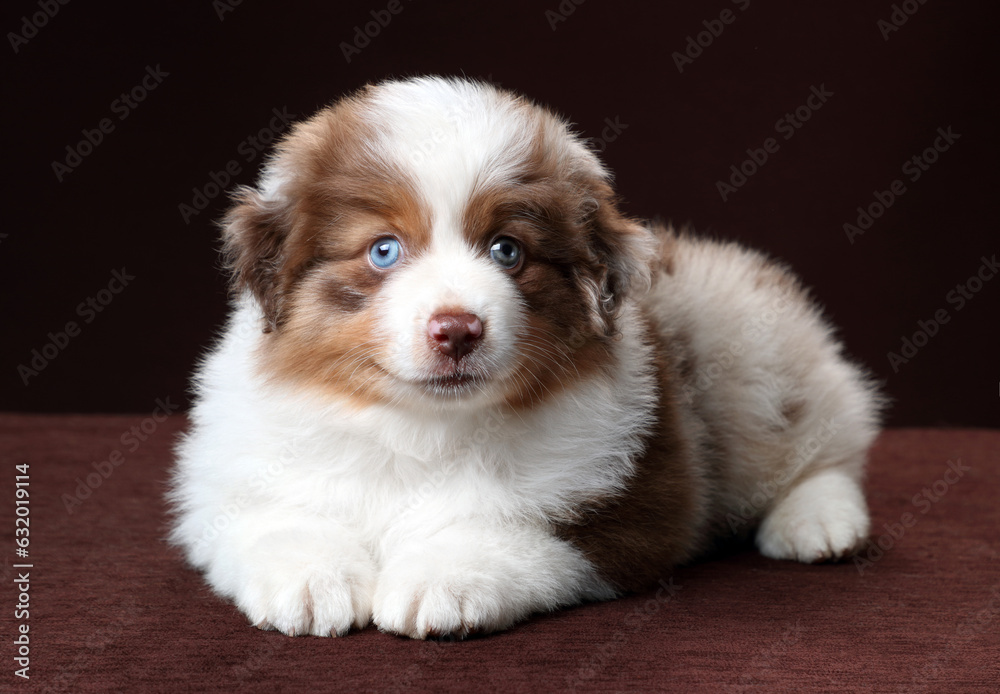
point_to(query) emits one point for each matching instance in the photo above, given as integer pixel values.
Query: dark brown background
(607, 60)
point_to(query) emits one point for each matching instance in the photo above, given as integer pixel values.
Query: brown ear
(623, 252)
(254, 235)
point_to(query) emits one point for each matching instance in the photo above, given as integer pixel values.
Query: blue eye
(506, 252)
(385, 252)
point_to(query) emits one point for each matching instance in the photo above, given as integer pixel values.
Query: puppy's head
(435, 241)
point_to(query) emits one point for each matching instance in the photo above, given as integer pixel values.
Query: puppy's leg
(298, 576)
(467, 579)
(824, 516)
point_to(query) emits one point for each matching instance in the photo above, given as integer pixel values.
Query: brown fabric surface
(113, 608)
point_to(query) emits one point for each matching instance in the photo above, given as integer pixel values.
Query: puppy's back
(760, 366)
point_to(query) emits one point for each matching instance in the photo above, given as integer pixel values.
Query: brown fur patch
(559, 346)
(579, 260)
(333, 354)
(550, 363)
(668, 247)
(305, 255)
(637, 537)
(792, 411)
(686, 361)
(338, 198)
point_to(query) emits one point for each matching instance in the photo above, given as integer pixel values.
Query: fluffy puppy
(458, 386)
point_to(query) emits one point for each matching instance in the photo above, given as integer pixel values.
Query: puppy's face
(435, 242)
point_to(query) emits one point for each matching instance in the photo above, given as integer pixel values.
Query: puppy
(459, 386)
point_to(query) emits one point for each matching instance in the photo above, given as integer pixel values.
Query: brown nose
(455, 334)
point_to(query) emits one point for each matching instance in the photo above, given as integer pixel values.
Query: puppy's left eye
(385, 252)
(506, 252)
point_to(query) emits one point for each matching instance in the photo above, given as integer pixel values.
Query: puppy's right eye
(385, 252)
(506, 252)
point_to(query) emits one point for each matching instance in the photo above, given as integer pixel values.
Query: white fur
(315, 515)
(379, 488)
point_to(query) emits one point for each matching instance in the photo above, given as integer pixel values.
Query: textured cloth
(114, 608)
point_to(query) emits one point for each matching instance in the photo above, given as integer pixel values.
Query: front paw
(466, 580)
(300, 592)
(454, 602)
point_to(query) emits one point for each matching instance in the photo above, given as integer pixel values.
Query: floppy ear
(254, 234)
(623, 252)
